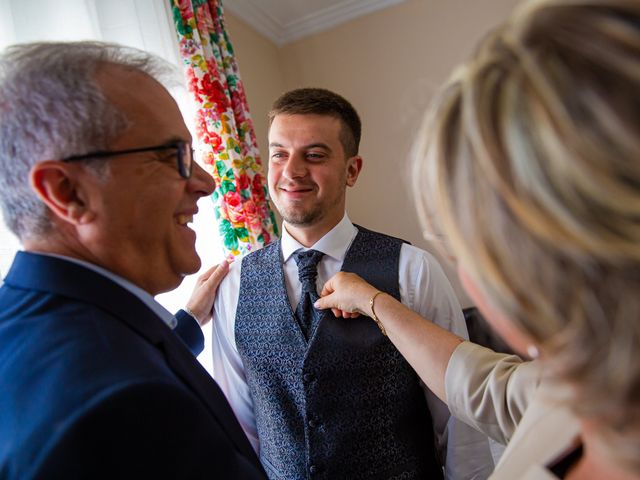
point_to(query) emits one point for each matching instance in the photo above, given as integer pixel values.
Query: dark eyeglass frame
(184, 155)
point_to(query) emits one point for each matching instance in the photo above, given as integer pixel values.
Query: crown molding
(253, 12)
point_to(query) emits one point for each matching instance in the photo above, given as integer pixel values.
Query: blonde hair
(529, 164)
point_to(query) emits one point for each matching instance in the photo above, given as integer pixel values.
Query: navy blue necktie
(307, 316)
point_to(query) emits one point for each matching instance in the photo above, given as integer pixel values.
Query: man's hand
(204, 293)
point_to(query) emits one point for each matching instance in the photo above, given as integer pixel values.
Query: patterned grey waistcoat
(345, 405)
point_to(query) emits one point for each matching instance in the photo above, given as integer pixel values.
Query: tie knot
(307, 261)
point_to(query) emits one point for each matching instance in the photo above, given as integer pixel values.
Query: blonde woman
(529, 167)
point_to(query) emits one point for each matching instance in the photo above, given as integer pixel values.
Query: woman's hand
(347, 295)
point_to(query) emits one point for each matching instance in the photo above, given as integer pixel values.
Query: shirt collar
(166, 316)
(334, 243)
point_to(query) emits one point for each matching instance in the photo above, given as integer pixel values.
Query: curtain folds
(224, 127)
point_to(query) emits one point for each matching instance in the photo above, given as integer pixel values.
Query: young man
(317, 395)
(98, 182)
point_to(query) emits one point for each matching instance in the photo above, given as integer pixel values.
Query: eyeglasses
(184, 155)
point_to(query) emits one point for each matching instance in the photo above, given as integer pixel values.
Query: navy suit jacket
(94, 385)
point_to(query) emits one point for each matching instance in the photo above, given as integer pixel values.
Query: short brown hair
(319, 101)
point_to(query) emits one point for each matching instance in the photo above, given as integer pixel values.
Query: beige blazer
(503, 397)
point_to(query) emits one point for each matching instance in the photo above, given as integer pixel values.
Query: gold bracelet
(373, 313)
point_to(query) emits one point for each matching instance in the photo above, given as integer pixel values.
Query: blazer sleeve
(143, 431)
(189, 332)
(490, 391)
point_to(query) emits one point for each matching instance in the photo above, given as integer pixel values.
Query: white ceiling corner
(284, 21)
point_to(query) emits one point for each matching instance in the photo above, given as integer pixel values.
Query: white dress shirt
(423, 287)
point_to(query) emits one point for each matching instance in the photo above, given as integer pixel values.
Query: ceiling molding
(254, 15)
(280, 32)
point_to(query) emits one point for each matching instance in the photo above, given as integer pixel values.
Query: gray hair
(51, 107)
(530, 165)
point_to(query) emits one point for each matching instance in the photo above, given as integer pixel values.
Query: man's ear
(354, 166)
(57, 185)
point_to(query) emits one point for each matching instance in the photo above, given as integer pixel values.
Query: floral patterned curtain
(224, 126)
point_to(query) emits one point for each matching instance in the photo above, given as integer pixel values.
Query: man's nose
(201, 181)
(296, 166)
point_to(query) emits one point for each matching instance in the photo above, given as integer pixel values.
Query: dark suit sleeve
(144, 431)
(190, 332)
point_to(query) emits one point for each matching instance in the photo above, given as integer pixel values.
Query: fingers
(332, 302)
(217, 273)
(343, 293)
(340, 280)
(341, 313)
(324, 302)
(204, 293)
(203, 277)
(327, 288)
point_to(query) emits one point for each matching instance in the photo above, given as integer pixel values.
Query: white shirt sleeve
(425, 289)
(228, 369)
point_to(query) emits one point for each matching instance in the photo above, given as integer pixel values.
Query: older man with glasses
(98, 183)
(180, 151)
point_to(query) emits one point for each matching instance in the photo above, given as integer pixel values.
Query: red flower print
(234, 207)
(188, 47)
(252, 215)
(204, 21)
(243, 181)
(256, 188)
(208, 159)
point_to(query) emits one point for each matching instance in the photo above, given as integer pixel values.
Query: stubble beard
(301, 217)
(304, 217)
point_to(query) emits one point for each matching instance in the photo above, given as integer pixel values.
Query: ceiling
(284, 21)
